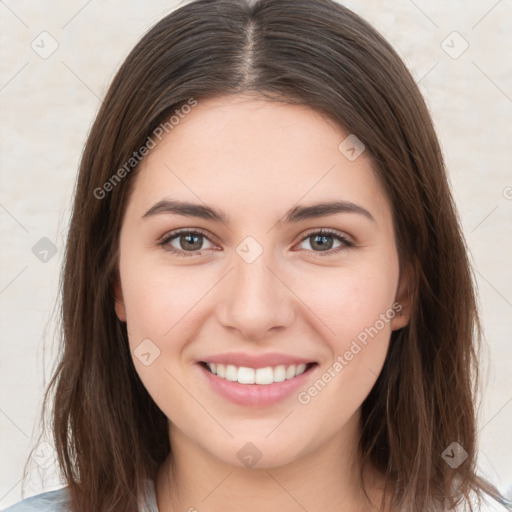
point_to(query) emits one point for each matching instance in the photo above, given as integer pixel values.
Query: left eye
(323, 242)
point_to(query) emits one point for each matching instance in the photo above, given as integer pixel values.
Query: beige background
(48, 104)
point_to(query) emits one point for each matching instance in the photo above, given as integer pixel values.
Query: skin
(256, 159)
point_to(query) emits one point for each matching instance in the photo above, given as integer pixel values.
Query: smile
(262, 376)
(259, 386)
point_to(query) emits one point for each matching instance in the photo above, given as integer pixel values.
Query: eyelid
(175, 232)
(328, 231)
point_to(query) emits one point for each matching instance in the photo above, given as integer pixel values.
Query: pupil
(323, 242)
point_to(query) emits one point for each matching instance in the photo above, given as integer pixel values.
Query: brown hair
(109, 434)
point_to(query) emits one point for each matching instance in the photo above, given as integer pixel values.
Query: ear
(404, 298)
(119, 302)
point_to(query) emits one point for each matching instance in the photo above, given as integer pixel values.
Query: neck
(328, 478)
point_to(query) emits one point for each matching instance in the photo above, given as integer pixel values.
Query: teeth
(231, 373)
(280, 373)
(301, 369)
(246, 375)
(290, 372)
(262, 376)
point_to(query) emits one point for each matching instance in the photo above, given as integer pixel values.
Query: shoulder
(51, 501)
(58, 501)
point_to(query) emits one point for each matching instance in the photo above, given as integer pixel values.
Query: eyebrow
(295, 214)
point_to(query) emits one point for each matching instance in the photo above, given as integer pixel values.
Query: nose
(256, 299)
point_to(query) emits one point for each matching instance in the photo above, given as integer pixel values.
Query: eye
(185, 242)
(323, 240)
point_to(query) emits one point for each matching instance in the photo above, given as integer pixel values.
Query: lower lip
(256, 395)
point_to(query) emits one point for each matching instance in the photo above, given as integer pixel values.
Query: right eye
(184, 242)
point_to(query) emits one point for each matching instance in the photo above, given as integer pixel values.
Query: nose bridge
(256, 299)
(254, 282)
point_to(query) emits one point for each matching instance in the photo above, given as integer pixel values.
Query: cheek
(357, 306)
(160, 300)
(351, 300)
(161, 304)
(165, 311)
(359, 312)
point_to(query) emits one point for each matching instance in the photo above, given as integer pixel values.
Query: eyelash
(345, 242)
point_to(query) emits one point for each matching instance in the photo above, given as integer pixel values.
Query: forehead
(248, 153)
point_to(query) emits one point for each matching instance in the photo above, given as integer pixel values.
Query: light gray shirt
(57, 501)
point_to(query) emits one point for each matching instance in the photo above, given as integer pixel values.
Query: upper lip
(255, 361)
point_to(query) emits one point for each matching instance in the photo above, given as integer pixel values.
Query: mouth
(265, 376)
(257, 387)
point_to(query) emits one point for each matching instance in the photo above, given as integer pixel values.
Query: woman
(267, 302)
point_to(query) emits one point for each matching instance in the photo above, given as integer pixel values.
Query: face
(290, 303)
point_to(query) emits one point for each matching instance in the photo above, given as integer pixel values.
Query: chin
(257, 452)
